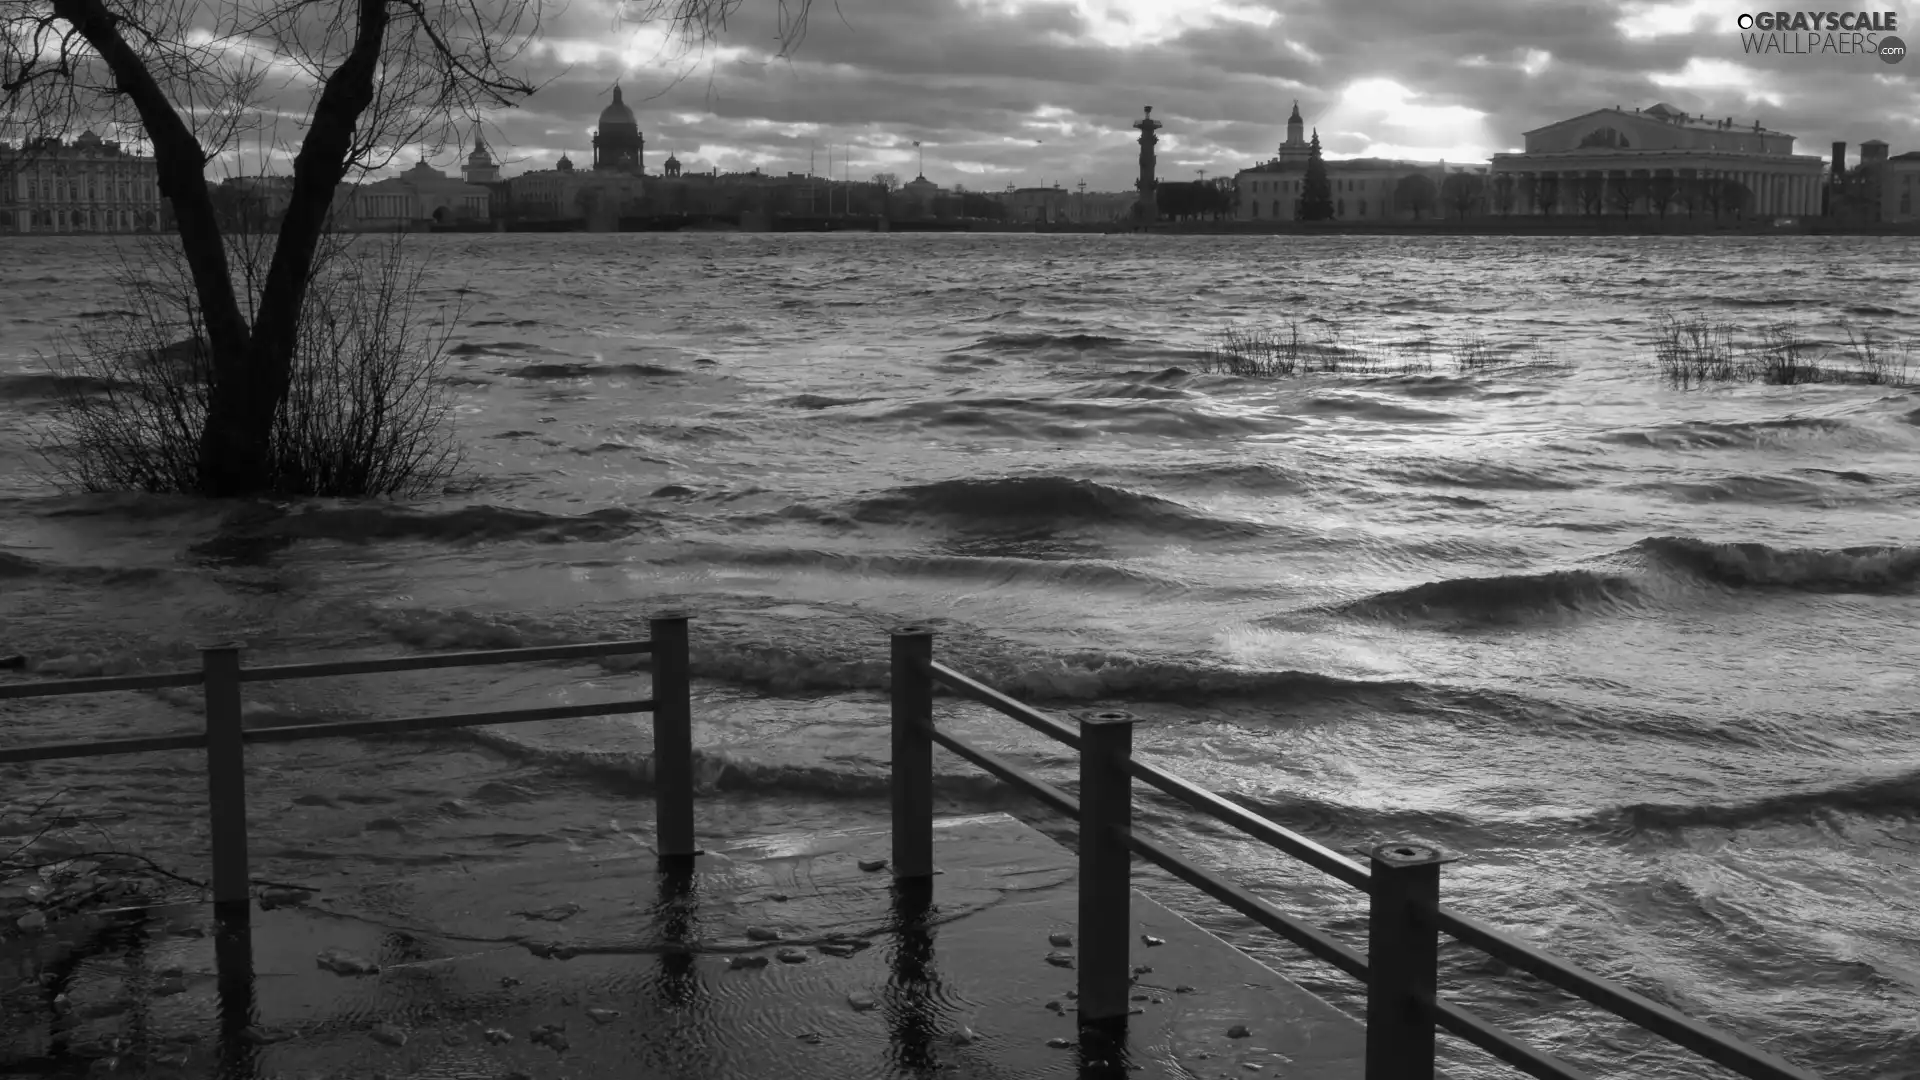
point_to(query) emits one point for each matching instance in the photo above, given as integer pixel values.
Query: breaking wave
(1506, 598)
(1867, 569)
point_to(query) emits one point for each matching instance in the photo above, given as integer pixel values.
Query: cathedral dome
(617, 117)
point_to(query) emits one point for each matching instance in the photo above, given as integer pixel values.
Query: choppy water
(1645, 657)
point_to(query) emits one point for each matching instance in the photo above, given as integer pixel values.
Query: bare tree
(1625, 190)
(887, 181)
(1662, 189)
(1502, 190)
(1464, 192)
(192, 76)
(1589, 192)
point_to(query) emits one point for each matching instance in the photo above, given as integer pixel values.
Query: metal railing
(225, 737)
(1402, 880)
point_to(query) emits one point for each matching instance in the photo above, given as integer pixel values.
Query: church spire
(1295, 118)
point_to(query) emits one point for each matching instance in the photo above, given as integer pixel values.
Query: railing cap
(1108, 716)
(233, 646)
(1404, 853)
(912, 630)
(670, 615)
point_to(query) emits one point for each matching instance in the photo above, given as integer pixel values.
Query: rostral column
(1147, 208)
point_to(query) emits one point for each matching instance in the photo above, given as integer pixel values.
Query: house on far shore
(1364, 189)
(419, 198)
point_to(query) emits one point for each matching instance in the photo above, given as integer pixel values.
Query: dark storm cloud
(1012, 91)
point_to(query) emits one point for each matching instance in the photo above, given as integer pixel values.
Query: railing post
(226, 778)
(672, 737)
(912, 773)
(1403, 947)
(1106, 885)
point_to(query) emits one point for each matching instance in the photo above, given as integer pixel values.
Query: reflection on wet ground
(783, 956)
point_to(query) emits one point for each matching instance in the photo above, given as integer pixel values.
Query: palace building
(88, 186)
(1645, 155)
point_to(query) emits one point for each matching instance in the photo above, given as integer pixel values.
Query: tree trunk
(234, 458)
(250, 366)
(180, 163)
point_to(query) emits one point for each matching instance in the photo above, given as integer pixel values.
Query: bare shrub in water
(1693, 351)
(1282, 352)
(1786, 358)
(365, 412)
(1880, 361)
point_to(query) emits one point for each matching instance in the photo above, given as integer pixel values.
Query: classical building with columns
(1612, 160)
(88, 185)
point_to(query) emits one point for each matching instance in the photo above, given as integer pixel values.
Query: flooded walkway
(792, 957)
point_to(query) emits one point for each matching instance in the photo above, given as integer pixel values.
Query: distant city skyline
(1036, 93)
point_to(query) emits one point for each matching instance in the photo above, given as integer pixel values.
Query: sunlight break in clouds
(1716, 77)
(1402, 126)
(1647, 20)
(1128, 24)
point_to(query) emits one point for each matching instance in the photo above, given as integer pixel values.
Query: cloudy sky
(1045, 91)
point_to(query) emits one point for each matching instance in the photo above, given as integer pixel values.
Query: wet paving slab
(782, 957)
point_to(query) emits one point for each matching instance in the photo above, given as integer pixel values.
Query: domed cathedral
(618, 145)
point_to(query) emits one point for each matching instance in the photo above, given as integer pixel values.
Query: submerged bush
(1282, 352)
(365, 413)
(1694, 351)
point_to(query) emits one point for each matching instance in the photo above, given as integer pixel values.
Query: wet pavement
(784, 957)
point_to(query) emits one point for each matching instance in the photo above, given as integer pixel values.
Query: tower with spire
(480, 167)
(618, 145)
(1296, 149)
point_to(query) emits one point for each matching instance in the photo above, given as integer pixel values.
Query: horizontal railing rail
(225, 735)
(1402, 881)
(1399, 968)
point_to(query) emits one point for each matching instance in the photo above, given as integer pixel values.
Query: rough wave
(1869, 569)
(1062, 573)
(821, 401)
(1056, 419)
(1264, 477)
(1489, 475)
(1041, 502)
(1506, 598)
(588, 371)
(1782, 490)
(466, 525)
(1732, 434)
(1369, 409)
(734, 770)
(1884, 796)
(1040, 341)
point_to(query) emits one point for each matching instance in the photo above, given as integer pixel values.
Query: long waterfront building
(88, 186)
